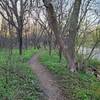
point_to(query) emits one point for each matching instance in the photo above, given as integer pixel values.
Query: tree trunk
(60, 54)
(73, 29)
(20, 45)
(26, 41)
(69, 50)
(50, 42)
(20, 41)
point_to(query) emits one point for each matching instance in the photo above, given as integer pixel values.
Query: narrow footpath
(47, 83)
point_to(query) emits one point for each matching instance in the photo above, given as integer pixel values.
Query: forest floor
(75, 86)
(17, 80)
(47, 82)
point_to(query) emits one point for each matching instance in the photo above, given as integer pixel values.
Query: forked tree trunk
(69, 50)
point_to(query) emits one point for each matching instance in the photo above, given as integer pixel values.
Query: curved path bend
(47, 83)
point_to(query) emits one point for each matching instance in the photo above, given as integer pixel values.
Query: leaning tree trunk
(69, 50)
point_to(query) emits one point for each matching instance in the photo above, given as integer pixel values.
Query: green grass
(17, 82)
(94, 62)
(76, 86)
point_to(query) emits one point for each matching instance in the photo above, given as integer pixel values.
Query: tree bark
(20, 44)
(19, 34)
(69, 49)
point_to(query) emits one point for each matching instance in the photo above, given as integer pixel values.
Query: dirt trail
(47, 83)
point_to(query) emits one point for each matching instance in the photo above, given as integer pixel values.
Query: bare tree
(69, 50)
(15, 11)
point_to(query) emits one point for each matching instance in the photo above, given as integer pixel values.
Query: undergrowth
(76, 86)
(17, 82)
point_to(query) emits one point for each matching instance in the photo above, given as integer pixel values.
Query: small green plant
(78, 86)
(17, 81)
